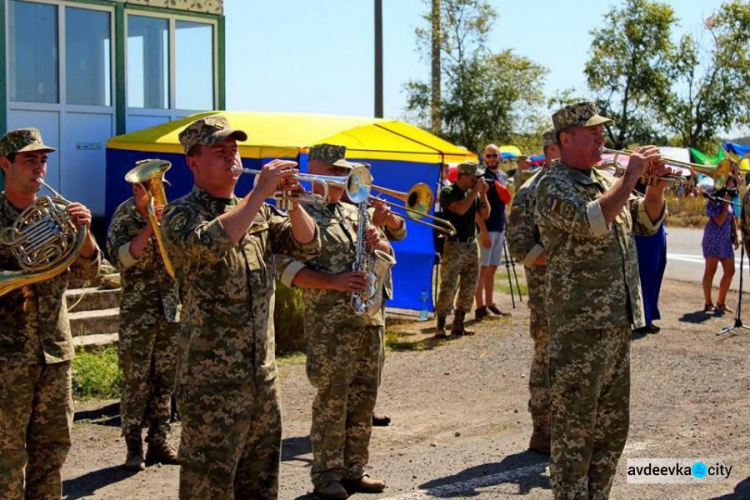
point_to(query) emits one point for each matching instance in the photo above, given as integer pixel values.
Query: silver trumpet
(357, 184)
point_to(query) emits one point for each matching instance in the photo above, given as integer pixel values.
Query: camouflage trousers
(230, 446)
(148, 357)
(344, 365)
(36, 415)
(590, 390)
(539, 401)
(459, 270)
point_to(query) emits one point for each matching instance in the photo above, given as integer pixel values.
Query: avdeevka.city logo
(677, 470)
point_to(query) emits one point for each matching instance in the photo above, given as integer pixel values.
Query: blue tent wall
(415, 255)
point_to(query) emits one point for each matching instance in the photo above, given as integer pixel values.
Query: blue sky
(316, 56)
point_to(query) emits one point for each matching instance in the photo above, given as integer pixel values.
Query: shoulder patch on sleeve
(178, 221)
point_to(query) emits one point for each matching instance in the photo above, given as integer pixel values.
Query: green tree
(626, 68)
(710, 98)
(485, 96)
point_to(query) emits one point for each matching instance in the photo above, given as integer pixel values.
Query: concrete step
(94, 322)
(95, 341)
(89, 299)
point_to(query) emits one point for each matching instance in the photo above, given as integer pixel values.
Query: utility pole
(435, 80)
(378, 58)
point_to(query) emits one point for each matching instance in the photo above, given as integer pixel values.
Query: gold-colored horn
(417, 204)
(150, 175)
(44, 241)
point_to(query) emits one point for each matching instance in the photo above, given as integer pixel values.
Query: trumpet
(150, 175)
(417, 203)
(357, 184)
(673, 178)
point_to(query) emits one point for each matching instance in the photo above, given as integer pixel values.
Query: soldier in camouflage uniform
(36, 347)
(149, 323)
(463, 203)
(394, 229)
(523, 171)
(525, 246)
(222, 248)
(344, 350)
(586, 219)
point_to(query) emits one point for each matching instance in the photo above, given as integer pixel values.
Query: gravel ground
(460, 426)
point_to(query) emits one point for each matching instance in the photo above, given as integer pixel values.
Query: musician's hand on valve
(349, 282)
(141, 199)
(158, 211)
(375, 241)
(273, 173)
(641, 162)
(80, 214)
(381, 213)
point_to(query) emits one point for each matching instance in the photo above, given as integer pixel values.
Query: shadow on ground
(696, 317)
(741, 491)
(108, 415)
(88, 484)
(294, 449)
(526, 469)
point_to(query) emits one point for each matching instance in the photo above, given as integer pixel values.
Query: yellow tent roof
(283, 135)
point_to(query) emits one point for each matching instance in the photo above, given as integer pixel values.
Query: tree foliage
(626, 67)
(710, 92)
(656, 89)
(485, 96)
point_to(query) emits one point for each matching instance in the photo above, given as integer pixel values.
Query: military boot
(134, 462)
(458, 328)
(161, 453)
(441, 327)
(541, 438)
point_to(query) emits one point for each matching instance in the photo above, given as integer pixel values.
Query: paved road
(685, 259)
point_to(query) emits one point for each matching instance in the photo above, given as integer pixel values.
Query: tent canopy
(400, 154)
(284, 135)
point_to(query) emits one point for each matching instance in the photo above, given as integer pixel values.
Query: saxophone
(376, 264)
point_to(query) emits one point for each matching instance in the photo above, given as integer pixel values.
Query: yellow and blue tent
(401, 155)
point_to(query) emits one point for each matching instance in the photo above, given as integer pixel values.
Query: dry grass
(686, 212)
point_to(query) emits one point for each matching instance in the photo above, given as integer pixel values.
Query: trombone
(417, 203)
(150, 175)
(357, 184)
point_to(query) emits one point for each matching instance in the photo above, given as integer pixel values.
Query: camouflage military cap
(470, 168)
(549, 137)
(23, 140)
(209, 131)
(330, 153)
(580, 114)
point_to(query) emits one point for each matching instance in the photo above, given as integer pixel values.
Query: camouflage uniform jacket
(338, 235)
(149, 295)
(227, 289)
(34, 324)
(524, 241)
(391, 235)
(592, 268)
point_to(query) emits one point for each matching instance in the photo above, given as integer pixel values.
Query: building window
(194, 65)
(33, 52)
(148, 62)
(87, 57)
